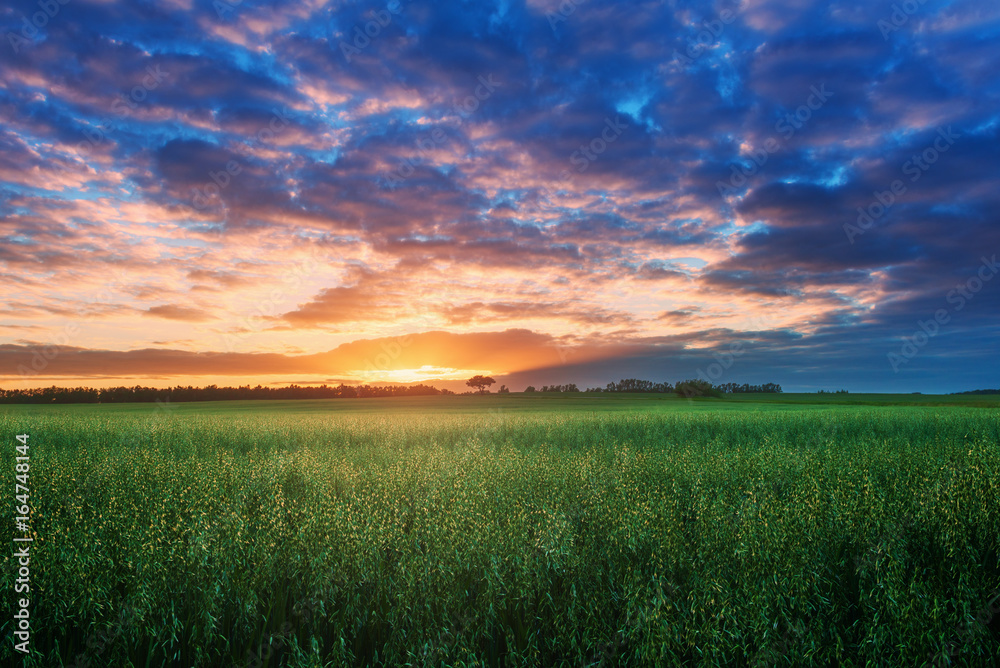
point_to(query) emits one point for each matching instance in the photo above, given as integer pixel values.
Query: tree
(480, 383)
(696, 388)
(530, 388)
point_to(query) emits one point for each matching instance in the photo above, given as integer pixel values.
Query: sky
(547, 192)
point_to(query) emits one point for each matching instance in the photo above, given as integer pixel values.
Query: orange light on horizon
(425, 373)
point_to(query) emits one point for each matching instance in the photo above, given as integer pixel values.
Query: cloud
(501, 352)
(459, 174)
(175, 312)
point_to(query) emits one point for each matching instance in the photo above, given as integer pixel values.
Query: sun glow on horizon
(423, 374)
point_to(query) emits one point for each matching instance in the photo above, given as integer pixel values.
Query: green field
(521, 530)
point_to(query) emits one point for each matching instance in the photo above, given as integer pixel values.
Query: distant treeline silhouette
(978, 392)
(554, 388)
(649, 387)
(733, 388)
(139, 394)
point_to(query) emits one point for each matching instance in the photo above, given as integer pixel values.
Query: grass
(537, 403)
(520, 530)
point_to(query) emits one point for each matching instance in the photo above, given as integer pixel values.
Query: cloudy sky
(785, 191)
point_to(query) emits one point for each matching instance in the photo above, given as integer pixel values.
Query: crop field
(511, 531)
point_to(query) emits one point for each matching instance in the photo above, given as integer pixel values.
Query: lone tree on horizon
(480, 383)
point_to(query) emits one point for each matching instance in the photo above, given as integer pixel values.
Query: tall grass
(852, 536)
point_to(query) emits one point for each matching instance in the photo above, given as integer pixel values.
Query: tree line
(553, 388)
(139, 394)
(684, 388)
(733, 388)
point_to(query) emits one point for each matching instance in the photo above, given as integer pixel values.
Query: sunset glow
(424, 374)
